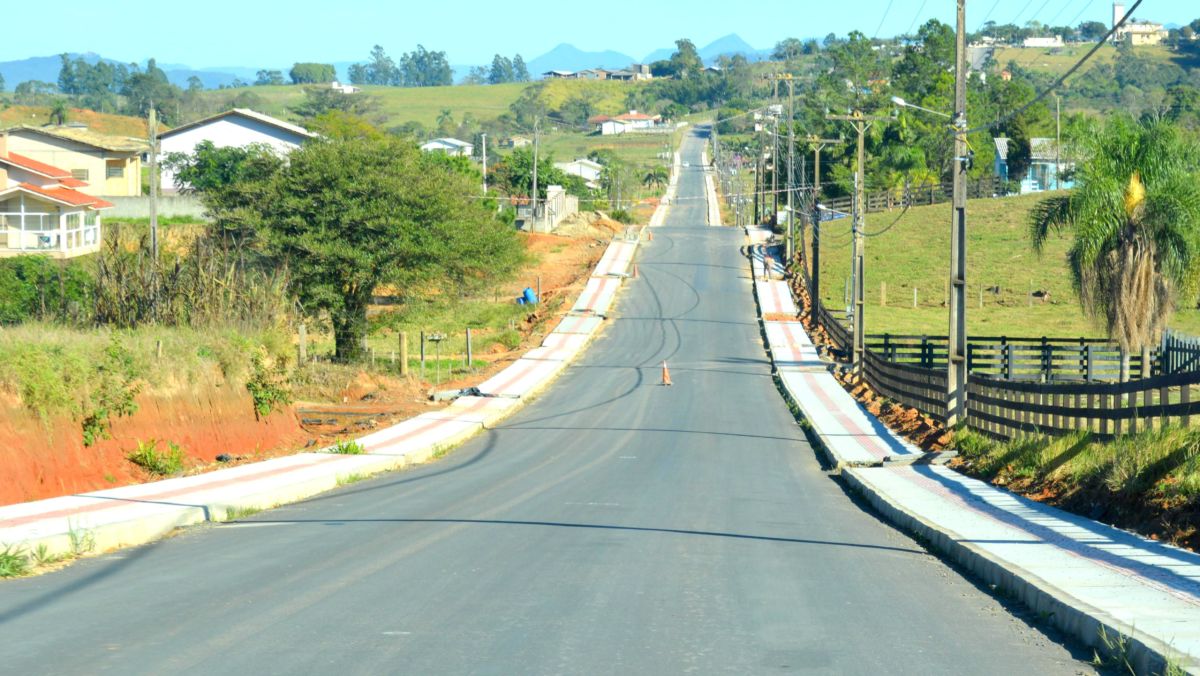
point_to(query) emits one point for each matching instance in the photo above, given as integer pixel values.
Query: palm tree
(445, 119)
(656, 177)
(59, 112)
(1135, 217)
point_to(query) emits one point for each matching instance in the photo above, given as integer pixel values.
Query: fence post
(470, 361)
(887, 347)
(1091, 373)
(404, 353)
(1008, 361)
(422, 355)
(1046, 362)
(925, 352)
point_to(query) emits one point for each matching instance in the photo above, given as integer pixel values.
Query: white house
(631, 121)
(450, 146)
(238, 128)
(344, 88)
(584, 168)
(1046, 43)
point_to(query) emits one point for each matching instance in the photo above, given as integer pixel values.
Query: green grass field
(399, 105)
(915, 254)
(1057, 61)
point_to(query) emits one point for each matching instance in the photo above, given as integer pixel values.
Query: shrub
(268, 383)
(113, 393)
(348, 448)
(160, 463)
(13, 562)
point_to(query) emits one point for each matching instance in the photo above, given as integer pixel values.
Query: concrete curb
(1146, 654)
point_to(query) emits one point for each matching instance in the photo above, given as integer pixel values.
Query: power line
(1039, 11)
(1016, 19)
(1087, 4)
(917, 16)
(886, 11)
(1059, 82)
(988, 15)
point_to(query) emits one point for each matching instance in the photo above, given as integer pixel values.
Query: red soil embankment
(44, 461)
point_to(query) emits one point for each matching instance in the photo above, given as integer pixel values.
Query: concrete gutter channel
(1127, 597)
(132, 515)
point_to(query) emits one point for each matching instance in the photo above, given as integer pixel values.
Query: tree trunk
(349, 330)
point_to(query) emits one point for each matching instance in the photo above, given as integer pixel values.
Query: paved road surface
(613, 527)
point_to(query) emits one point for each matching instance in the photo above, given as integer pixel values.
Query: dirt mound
(589, 224)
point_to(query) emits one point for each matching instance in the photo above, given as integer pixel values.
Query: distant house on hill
(240, 128)
(344, 88)
(559, 75)
(620, 124)
(1047, 43)
(1048, 169)
(450, 146)
(43, 209)
(635, 72)
(108, 166)
(584, 168)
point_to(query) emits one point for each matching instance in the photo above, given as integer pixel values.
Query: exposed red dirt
(42, 460)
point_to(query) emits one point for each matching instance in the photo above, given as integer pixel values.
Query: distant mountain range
(562, 57)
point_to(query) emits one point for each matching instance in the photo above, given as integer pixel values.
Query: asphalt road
(613, 527)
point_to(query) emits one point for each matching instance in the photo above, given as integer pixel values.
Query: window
(114, 169)
(79, 174)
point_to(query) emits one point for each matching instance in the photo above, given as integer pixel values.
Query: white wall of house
(228, 131)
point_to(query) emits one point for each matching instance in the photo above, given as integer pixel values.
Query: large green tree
(349, 215)
(1135, 219)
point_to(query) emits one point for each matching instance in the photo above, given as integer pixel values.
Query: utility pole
(534, 197)
(956, 376)
(775, 155)
(818, 145)
(1057, 142)
(483, 139)
(153, 124)
(791, 180)
(861, 124)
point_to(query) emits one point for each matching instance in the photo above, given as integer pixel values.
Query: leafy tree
(357, 74)
(787, 49)
(514, 174)
(656, 177)
(385, 214)
(1, 83)
(381, 69)
(1135, 219)
(312, 73)
(423, 68)
(520, 70)
(478, 75)
(1092, 31)
(268, 77)
(34, 93)
(501, 70)
(195, 84)
(151, 87)
(320, 100)
(685, 62)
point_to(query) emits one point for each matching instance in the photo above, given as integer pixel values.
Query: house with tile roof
(44, 209)
(108, 166)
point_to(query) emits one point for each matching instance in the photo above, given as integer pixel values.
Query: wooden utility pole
(818, 145)
(483, 140)
(956, 376)
(153, 124)
(534, 196)
(791, 179)
(861, 124)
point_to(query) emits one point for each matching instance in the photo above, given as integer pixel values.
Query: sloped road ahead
(614, 527)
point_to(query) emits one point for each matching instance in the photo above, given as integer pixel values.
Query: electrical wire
(1016, 21)
(988, 16)
(917, 16)
(882, 20)
(1059, 82)
(1087, 4)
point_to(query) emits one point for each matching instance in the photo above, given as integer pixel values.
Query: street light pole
(818, 145)
(483, 139)
(956, 375)
(861, 124)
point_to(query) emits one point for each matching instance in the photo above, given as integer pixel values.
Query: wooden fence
(916, 195)
(921, 388)
(1009, 409)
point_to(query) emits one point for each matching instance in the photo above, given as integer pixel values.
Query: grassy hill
(425, 104)
(1057, 61)
(114, 125)
(916, 253)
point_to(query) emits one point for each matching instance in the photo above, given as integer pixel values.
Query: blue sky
(271, 33)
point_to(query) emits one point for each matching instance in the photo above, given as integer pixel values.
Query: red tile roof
(629, 117)
(67, 196)
(35, 166)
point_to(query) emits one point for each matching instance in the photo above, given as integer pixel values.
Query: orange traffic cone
(635, 272)
(651, 235)
(666, 378)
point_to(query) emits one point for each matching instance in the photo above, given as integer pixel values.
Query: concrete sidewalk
(1131, 598)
